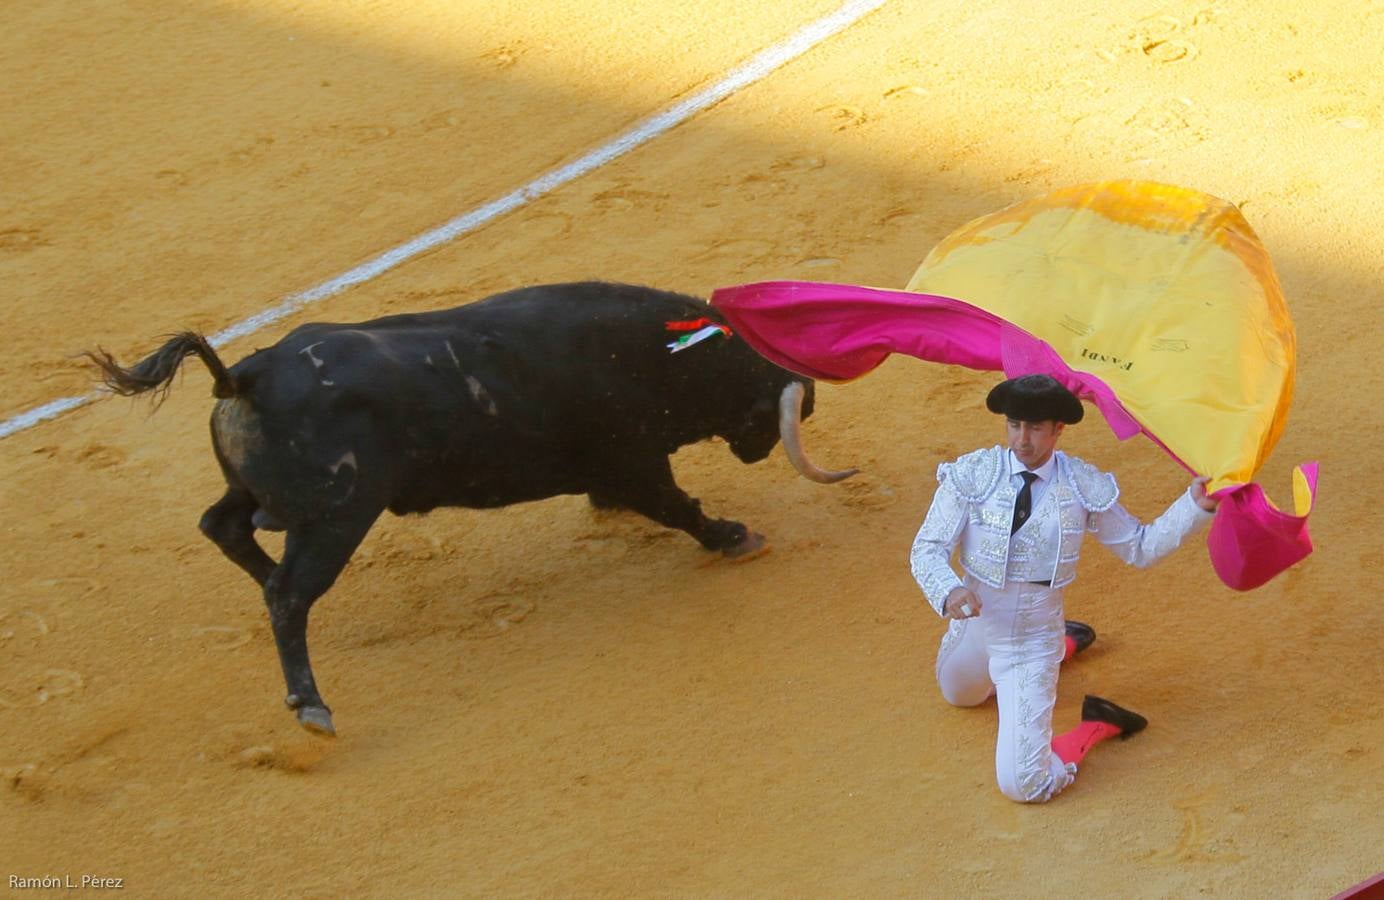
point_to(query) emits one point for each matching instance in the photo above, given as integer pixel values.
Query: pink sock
(1071, 648)
(1072, 746)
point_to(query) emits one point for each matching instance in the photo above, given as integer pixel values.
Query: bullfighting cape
(1157, 304)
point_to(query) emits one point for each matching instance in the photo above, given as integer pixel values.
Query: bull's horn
(790, 429)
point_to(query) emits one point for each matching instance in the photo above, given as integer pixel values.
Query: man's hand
(962, 603)
(1199, 495)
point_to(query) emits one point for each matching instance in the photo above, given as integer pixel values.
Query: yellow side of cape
(1164, 293)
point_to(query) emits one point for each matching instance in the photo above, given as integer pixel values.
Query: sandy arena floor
(541, 701)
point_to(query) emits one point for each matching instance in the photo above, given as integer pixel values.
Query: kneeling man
(1018, 513)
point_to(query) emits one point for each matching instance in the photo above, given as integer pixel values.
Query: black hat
(1035, 398)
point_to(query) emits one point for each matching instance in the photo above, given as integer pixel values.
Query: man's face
(1032, 442)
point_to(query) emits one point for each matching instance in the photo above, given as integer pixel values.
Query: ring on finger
(966, 610)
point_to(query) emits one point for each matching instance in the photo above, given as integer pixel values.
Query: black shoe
(1098, 709)
(1083, 634)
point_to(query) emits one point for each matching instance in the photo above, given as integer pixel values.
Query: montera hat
(1035, 398)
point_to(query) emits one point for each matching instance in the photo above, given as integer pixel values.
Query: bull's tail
(155, 372)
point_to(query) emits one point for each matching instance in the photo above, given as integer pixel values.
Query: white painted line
(760, 65)
(42, 413)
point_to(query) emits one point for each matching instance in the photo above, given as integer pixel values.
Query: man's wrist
(1198, 501)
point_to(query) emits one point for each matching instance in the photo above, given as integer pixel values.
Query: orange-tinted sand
(543, 701)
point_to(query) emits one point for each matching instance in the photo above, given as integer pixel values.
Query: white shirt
(1046, 472)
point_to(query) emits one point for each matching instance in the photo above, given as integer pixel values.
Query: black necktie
(1024, 503)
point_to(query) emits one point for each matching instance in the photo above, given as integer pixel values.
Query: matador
(1018, 514)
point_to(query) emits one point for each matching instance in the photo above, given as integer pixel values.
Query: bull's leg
(314, 556)
(646, 486)
(228, 524)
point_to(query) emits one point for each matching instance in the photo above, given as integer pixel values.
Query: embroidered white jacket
(974, 505)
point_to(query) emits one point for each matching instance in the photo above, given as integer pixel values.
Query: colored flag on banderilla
(697, 330)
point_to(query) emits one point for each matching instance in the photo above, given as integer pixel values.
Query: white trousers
(1012, 651)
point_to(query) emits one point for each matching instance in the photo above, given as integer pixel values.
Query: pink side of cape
(839, 332)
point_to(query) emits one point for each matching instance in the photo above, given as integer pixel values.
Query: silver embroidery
(974, 475)
(1098, 490)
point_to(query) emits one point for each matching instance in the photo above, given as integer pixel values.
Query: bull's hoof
(317, 720)
(754, 544)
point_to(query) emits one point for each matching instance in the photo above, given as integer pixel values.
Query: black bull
(560, 389)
